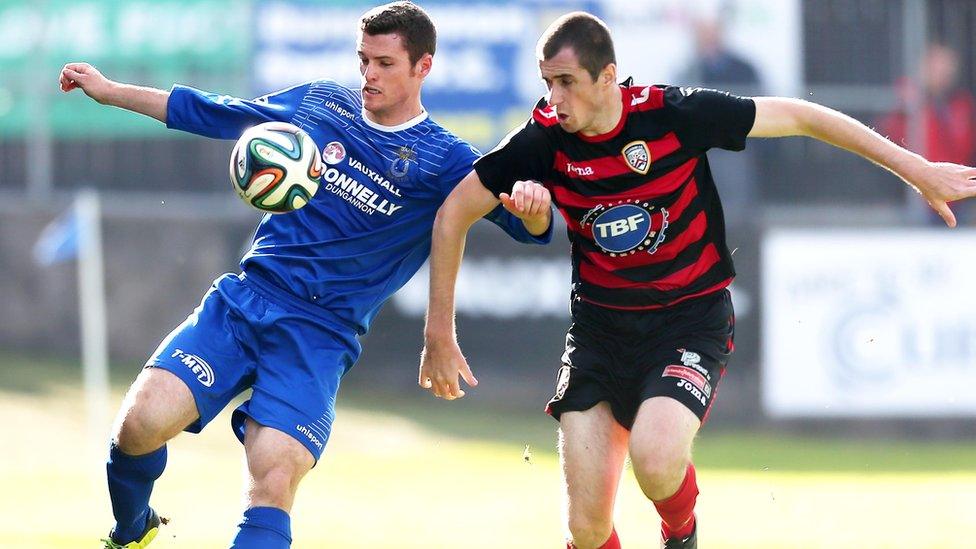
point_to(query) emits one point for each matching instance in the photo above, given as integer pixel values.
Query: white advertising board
(869, 323)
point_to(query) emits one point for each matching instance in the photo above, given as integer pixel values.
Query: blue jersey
(367, 230)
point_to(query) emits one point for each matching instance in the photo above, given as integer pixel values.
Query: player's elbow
(452, 219)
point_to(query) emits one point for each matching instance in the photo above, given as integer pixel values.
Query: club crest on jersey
(626, 228)
(401, 164)
(637, 156)
(334, 153)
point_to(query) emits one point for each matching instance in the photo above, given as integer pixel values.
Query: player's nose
(555, 98)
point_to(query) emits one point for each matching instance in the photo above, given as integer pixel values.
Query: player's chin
(372, 101)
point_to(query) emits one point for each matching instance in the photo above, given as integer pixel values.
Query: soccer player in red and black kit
(652, 319)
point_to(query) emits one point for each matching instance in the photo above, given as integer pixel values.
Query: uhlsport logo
(627, 227)
(637, 156)
(334, 153)
(203, 371)
(303, 429)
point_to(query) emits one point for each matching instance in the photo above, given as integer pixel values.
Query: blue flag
(59, 240)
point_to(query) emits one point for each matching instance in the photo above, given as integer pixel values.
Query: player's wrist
(438, 335)
(111, 93)
(537, 225)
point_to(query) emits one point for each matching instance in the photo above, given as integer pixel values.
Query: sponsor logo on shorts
(694, 391)
(693, 360)
(197, 365)
(310, 436)
(562, 382)
(688, 357)
(689, 375)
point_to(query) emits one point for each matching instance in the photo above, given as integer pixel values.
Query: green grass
(420, 473)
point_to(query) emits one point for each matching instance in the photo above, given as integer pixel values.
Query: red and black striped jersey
(641, 207)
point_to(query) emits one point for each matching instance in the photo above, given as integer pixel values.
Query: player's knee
(659, 470)
(275, 485)
(155, 410)
(589, 530)
(136, 433)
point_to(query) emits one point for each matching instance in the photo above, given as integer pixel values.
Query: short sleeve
(525, 154)
(704, 118)
(457, 165)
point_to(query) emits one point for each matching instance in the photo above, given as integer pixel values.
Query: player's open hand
(529, 201)
(441, 363)
(943, 182)
(86, 77)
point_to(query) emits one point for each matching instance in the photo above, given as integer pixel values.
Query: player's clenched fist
(529, 201)
(86, 77)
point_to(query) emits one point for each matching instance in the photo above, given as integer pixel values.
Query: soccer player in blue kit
(313, 280)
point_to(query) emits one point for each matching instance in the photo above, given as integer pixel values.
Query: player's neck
(608, 118)
(397, 114)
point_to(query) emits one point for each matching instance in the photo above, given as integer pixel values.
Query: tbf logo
(627, 228)
(197, 365)
(618, 227)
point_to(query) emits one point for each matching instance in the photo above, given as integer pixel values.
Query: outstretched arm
(148, 101)
(937, 182)
(184, 108)
(441, 361)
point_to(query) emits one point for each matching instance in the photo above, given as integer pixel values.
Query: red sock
(678, 511)
(612, 542)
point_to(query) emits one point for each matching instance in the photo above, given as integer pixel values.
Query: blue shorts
(246, 334)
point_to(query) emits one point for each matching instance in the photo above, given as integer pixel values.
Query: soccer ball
(275, 167)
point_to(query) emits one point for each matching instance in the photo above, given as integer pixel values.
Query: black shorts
(627, 357)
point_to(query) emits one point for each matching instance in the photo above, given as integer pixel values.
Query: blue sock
(130, 481)
(263, 528)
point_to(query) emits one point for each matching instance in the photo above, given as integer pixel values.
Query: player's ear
(424, 64)
(608, 76)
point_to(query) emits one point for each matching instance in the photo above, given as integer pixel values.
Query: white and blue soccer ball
(276, 167)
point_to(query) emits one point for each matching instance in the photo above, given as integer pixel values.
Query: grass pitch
(431, 474)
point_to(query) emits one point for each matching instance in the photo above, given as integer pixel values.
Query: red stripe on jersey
(660, 186)
(720, 286)
(676, 280)
(591, 170)
(646, 98)
(612, 166)
(667, 251)
(546, 117)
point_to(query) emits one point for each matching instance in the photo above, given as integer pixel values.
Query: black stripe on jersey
(626, 182)
(632, 299)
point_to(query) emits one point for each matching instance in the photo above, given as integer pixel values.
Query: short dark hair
(406, 19)
(586, 34)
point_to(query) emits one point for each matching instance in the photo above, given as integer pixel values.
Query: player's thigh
(213, 351)
(156, 408)
(592, 449)
(660, 445)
